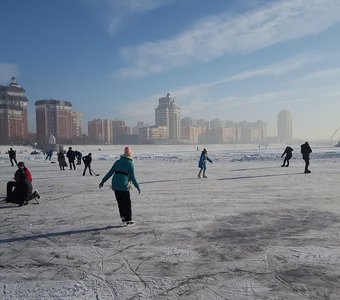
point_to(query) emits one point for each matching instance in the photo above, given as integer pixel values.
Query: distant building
(154, 134)
(140, 124)
(100, 132)
(55, 117)
(77, 130)
(168, 114)
(121, 132)
(193, 134)
(284, 126)
(13, 114)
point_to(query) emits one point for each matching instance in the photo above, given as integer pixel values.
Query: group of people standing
(73, 155)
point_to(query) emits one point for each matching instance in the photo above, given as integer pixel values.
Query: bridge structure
(334, 133)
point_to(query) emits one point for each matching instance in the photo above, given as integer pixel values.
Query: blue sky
(228, 59)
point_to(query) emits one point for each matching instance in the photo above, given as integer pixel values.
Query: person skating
(306, 150)
(49, 154)
(123, 173)
(71, 157)
(202, 163)
(12, 154)
(61, 159)
(87, 159)
(288, 151)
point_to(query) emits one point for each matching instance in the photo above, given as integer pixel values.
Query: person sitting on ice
(202, 163)
(22, 185)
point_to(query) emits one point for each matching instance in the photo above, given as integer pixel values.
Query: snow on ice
(251, 230)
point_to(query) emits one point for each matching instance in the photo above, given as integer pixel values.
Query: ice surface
(251, 230)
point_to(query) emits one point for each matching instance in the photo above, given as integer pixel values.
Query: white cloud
(120, 10)
(7, 71)
(220, 35)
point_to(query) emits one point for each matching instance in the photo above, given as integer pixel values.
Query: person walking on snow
(61, 159)
(12, 156)
(123, 173)
(306, 150)
(288, 151)
(202, 163)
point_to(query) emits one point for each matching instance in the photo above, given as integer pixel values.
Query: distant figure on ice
(306, 151)
(71, 158)
(49, 154)
(123, 173)
(61, 159)
(288, 151)
(78, 156)
(12, 156)
(87, 159)
(202, 163)
(22, 185)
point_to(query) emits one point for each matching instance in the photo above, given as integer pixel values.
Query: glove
(138, 190)
(101, 185)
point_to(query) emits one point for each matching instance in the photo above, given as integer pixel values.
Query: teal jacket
(123, 172)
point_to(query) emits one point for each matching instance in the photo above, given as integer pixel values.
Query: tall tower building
(76, 127)
(13, 114)
(54, 117)
(168, 114)
(284, 126)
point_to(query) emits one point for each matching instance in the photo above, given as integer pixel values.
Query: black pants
(10, 186)
(13, 159)
(306, 159)
(21, 193)
(71, 162)
(286, 160)
(124, 205)
(89, 167)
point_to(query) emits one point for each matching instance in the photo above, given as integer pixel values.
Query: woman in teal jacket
(123, 174)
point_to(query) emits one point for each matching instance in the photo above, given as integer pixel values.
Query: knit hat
(21, 163)
(127, 151)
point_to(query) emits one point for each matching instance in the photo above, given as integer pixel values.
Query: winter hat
(127, 151)
(21, 163)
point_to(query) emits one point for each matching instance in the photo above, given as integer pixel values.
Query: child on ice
(202, 163)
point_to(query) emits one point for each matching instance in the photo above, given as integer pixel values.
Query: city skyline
(230, 60)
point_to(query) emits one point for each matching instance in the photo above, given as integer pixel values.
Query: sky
(233, 60)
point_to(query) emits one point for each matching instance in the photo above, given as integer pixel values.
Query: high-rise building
(76, 127)
(284, 126)
(100, 132)
(54, 117)
(168, 114)
(13, 114)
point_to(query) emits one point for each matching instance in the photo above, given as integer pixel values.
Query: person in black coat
(78, 156)
(71, 157)
(87, 159)
(306, 150)
(12, 156)
(22, 192)
(288, 151)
